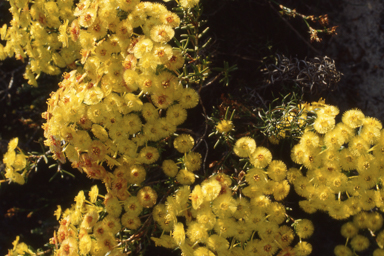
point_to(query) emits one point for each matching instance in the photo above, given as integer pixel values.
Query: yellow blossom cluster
(212, 218)
(56, 34)
(191, 161)
(83, 231)
(341, 172)
(15, 162)
(373, 221)
(36, 32)
(121, 99)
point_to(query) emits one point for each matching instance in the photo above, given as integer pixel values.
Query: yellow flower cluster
(100, 114)
(36, 32)
(372, 221)
(191, 161)
(82, 231)
(54, 34)
(343, 164)
(210, 219)
(15, 162)
(341, 173)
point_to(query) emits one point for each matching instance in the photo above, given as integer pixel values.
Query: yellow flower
(106, 243)
(149, 112)
(380, 239)
(358, 146)
(359, 243)
(267, 230)
(205, 216)
(96, 151)
(184, 143)
(244, 147)
(132, 123)
(372, 122)
(69, 247)
(353, 118)
(345, 131)
(243, 208)
(178, 233)
(342, 250)
(210, 189)
(136, 174)
(312, 158)
(286, 236)
(162, 33)
(63, 37)
(374, 221)
(338, 210)
(132, 206)
(308, 206)
(147, 197)
(378, 252)
(349, 230)
(268, 247)
(170, 18)
(303, 249)
(185, 177)
(130, 221)
(112, 224)
(148, 155)
(277, 170)
(85, 244)
(370, 134)
(90, 219)
(133, 102)
(20, 162)
(189, 98)
(192, 161)
(112, 205)
(170, 168)
(333, 139)
(225, 227)
(256, 176)
(224, 206)
(93, 95)
(224, 126)
(176, 61)
(176, 114)
(152, 131)
(196, 197)
(197, 232)
(281, 190)
(217, 243)
(142, 47)
(323, 124)
(304, 228)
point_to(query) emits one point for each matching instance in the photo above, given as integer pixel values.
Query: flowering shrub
(127, 88)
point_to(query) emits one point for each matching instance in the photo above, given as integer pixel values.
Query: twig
(294, 30)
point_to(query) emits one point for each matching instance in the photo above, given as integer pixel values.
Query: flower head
(224, 126)
(353, 118)
(244, 147)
